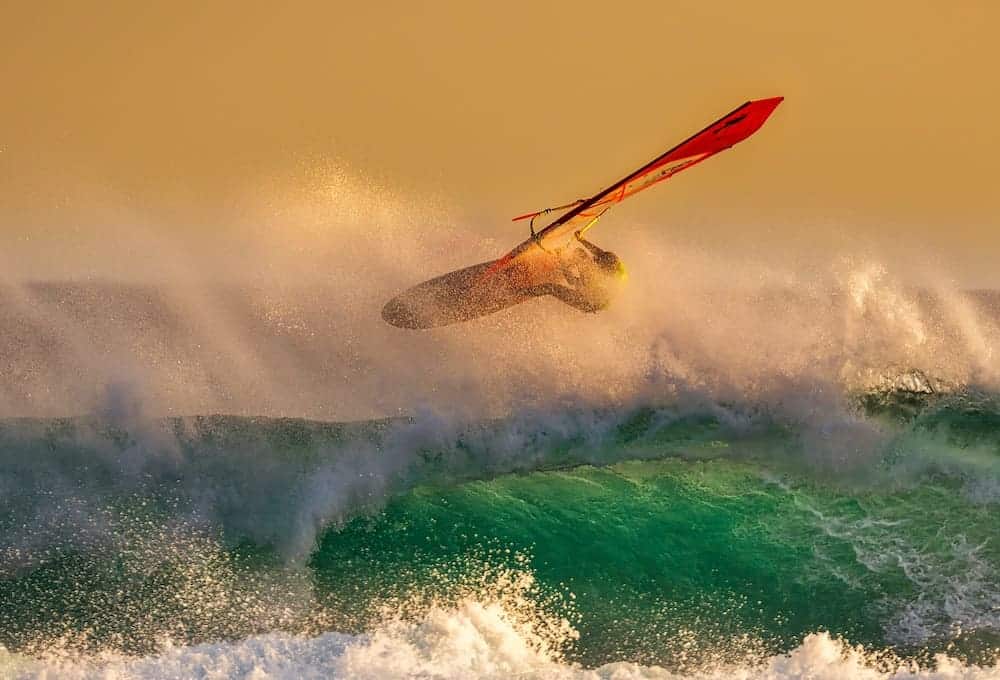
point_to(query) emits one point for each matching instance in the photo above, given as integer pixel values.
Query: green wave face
(655, 555)
(665, 536)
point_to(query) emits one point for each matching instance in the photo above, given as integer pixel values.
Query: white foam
(471, 640)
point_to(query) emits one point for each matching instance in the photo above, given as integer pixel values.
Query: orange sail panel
(731, 129)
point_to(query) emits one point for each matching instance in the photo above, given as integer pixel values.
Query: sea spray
(675, 527)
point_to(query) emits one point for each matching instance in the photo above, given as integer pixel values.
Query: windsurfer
(551, 262)
(587, 278)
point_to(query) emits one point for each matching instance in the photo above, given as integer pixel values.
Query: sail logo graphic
(673, 168)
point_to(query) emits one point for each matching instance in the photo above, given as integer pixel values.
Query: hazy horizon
(174, 141)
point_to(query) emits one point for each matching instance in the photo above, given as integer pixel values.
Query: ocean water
(653, 541)
(777, 480)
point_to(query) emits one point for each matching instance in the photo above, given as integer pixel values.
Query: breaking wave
(774, 473)
(689, 538)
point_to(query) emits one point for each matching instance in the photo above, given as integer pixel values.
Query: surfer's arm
(596, 250)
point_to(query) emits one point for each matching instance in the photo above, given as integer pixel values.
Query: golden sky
(176, 114)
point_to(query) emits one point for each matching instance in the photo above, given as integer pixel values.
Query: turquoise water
(660, 536)
(654, 552)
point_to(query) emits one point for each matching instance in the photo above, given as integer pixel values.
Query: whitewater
(751, 467)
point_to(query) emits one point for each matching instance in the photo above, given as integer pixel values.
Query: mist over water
(284, 320)
(801, 414)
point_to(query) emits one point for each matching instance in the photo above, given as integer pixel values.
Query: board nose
(398, 313)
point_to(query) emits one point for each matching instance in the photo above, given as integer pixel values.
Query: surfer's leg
(570, 296)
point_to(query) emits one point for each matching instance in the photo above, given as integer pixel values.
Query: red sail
(731, 129)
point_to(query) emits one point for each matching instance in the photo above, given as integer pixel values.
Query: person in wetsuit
(593, 277)
(583, 276)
